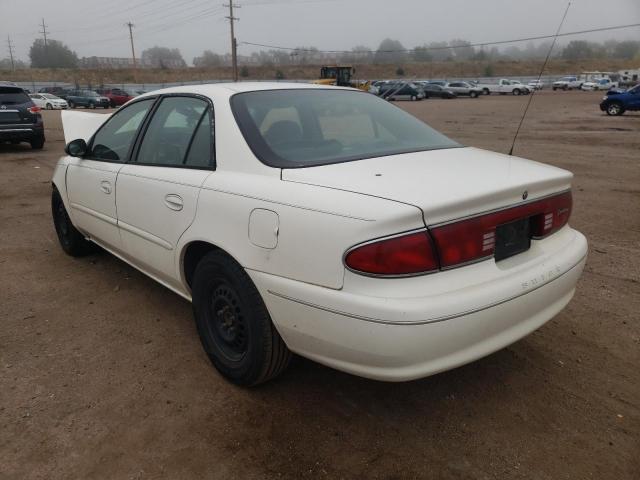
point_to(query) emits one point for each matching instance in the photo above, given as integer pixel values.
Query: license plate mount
(512, 238)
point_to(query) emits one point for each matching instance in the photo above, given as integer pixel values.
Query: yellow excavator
(340, 75)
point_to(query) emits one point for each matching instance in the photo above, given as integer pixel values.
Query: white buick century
(321, 221)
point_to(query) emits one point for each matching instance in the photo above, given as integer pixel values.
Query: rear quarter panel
(316, 224)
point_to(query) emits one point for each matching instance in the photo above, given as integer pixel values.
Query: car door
(634, 98)
(158, 190)
(91, 180)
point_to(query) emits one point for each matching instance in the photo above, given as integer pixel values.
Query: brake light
(34, 109)
(402, 255)
(474, 239)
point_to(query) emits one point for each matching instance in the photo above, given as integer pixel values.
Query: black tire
(554, 88)
(565, 87)
(614, 109)
(48, 106)
(233, 323)
(516, 91)
(92, 105)
(71, 240)
(413, 98)
(473, 94)
(37, 143)
(486, 91)
(71, 104)
(112, 104)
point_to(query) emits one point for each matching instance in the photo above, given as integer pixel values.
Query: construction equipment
(340, 75)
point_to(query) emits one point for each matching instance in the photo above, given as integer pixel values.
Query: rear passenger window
(168, 139)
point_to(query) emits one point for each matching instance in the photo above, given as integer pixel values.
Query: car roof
(230, 89)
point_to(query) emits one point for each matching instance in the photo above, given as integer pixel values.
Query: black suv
(20, 119)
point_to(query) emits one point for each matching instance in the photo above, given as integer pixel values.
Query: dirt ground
(102, 374)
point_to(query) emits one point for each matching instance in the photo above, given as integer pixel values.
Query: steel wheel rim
(227, 323)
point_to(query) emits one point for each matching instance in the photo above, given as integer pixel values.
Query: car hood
(445, 184)
(616, 91)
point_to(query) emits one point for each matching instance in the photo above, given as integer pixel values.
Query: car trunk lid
(445, 184)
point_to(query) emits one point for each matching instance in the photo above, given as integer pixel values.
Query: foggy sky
(97, 27)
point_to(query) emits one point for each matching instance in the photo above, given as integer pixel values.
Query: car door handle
(105, 186)
(173, 201)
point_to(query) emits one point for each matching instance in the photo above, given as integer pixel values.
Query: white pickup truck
(505, 86)
(568, 83)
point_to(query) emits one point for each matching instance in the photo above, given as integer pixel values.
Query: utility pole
(44, 33)
(133, 50)
(10, 45)
(234, 43)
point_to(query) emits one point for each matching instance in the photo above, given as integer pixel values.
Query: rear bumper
(20, 132)
(396, 338)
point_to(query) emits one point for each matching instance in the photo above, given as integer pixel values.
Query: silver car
(464, 89)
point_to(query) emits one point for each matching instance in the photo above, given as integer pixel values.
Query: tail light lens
(34, 109)
(473, 239)
(403, 255)
(457, 243)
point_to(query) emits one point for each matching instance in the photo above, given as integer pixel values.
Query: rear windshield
(13, 96)
(302, 128)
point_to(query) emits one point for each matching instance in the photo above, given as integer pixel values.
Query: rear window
(13, 96)
(302, 128)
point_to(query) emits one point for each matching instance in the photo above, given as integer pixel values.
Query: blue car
(616, 102)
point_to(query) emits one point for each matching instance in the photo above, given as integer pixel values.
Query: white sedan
(321, 221)
(48, 101)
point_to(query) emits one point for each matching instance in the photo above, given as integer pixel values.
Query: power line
(482, 44)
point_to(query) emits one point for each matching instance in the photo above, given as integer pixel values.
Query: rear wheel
(92, 105)
(516, 91)
(486, 91)
(37, 143)
(413, 98)
(71, 240)
(615, 109)
(233, 323)
(473, 94)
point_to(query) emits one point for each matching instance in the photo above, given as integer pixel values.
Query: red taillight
(403, 255)
(456, 243)
(473, 239)
(34, 109)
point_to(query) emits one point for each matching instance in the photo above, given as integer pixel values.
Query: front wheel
(233, 323)
(71, 240)
(413, 98)
(614, 109)
(92, 105)
(487, 91)
(49, 106)
(473, 94)
(37, 143)
(71, 104)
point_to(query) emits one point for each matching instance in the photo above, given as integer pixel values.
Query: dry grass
(412, 70)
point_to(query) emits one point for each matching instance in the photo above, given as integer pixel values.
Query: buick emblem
(525, 194)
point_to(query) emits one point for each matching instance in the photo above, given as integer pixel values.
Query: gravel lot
(102, 374)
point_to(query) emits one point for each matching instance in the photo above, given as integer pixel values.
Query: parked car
(48, 101)
(20, 118)
(567, 83)
(504, 86)
(401, 91)
(116, 96)
(433, 90)
(599, 84)
(325, 222)
(463, 89)
(87, 99)
(442, 83)
(536, 84)
(616, 102)
(60, 92)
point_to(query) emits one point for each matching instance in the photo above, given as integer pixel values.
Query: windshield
(301, 128)
(48, 95)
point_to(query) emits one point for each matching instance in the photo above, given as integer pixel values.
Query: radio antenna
(526, 109)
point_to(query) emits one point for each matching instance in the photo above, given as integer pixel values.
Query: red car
(116, 96)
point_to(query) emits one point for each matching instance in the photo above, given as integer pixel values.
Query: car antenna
(526, 109)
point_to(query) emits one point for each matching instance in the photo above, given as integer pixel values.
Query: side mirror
(76, 148)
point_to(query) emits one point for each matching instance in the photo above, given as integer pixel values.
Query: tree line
(55, 54)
